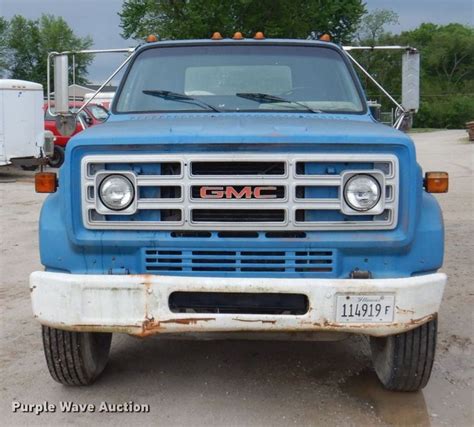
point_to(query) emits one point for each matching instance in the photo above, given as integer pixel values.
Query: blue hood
(240, 128)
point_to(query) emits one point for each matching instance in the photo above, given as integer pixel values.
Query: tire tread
(411, 359)
(64, 358)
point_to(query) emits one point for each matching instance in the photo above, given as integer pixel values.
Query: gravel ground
(243, 382)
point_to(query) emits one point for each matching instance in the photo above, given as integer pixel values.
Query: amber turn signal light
(238, 36)
(46, 182)
(151, 38)
(259, 35)
(325, 37)
(216, 36)
(436, 182)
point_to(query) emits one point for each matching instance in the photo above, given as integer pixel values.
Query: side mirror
(411, 80)
(61, 84)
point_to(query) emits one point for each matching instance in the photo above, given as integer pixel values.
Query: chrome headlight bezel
(378, 177)
(101, 206)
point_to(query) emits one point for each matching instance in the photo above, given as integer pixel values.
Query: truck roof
(241, 42)
(13, 84)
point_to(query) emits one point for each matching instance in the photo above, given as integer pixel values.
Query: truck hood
(239, 128)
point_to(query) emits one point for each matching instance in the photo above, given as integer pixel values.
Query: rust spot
(256, 320)
(424, 319)
(189, 321)
(401, 310)
(150, 326)
(409, 325)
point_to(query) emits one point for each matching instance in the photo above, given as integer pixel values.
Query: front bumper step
(139, 304)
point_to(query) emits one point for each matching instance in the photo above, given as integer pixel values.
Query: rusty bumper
(138, 304)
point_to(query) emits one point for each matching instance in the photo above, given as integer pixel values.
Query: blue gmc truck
(240, 186)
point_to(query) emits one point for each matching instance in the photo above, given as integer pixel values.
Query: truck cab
(241, 186)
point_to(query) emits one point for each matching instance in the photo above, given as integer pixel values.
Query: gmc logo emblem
(230, 192)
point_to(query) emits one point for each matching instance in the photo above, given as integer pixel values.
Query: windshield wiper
(266, 98)
(180, 97)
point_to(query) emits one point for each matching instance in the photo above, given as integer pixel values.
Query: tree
(447, 52)
(372, 25)
(3, 45)
(27, 53)
(183, 19)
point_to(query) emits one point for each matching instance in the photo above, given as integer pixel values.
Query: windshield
(239, 78)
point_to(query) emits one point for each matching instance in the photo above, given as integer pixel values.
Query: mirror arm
(376, 83)
(127, 60)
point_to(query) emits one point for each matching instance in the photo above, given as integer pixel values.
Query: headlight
(116, 192)
(362, 192)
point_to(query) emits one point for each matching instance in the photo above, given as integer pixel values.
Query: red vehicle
(93, 114)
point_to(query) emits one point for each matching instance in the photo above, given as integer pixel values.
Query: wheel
(403, 362)
(75, 358)
(58, 157)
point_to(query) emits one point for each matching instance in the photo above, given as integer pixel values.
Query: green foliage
(3, 45)
(447, 72)
(187, 19)
(28, 43)
(447, 53)
(450, 112)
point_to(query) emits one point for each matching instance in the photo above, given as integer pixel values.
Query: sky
(100, 20)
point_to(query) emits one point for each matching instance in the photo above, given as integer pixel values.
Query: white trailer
(102, 98)
(22, 131)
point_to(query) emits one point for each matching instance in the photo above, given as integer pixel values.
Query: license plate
(364, 308)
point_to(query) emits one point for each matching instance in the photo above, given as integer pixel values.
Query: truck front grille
(236, 192)
(243, 261)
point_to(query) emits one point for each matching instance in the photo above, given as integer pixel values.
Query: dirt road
(244, 382)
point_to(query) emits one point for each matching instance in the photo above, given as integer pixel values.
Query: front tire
(58, 157)
(75, 358)
(403, 362)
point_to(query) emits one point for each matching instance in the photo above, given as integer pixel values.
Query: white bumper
(138, 304)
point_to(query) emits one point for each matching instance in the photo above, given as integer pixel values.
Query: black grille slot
(139, 168)
(285, 235)
(171, 215)
(238, 168)
(191, 234)
(238, 303)
(238, 215)
(160, 192)
(238, 234)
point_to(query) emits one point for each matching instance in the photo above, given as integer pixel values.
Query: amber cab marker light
(46, 182)
(151, 38)
(216, 36)
(259, 35)
(238, 36)
(325, 38)
(436, 182)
